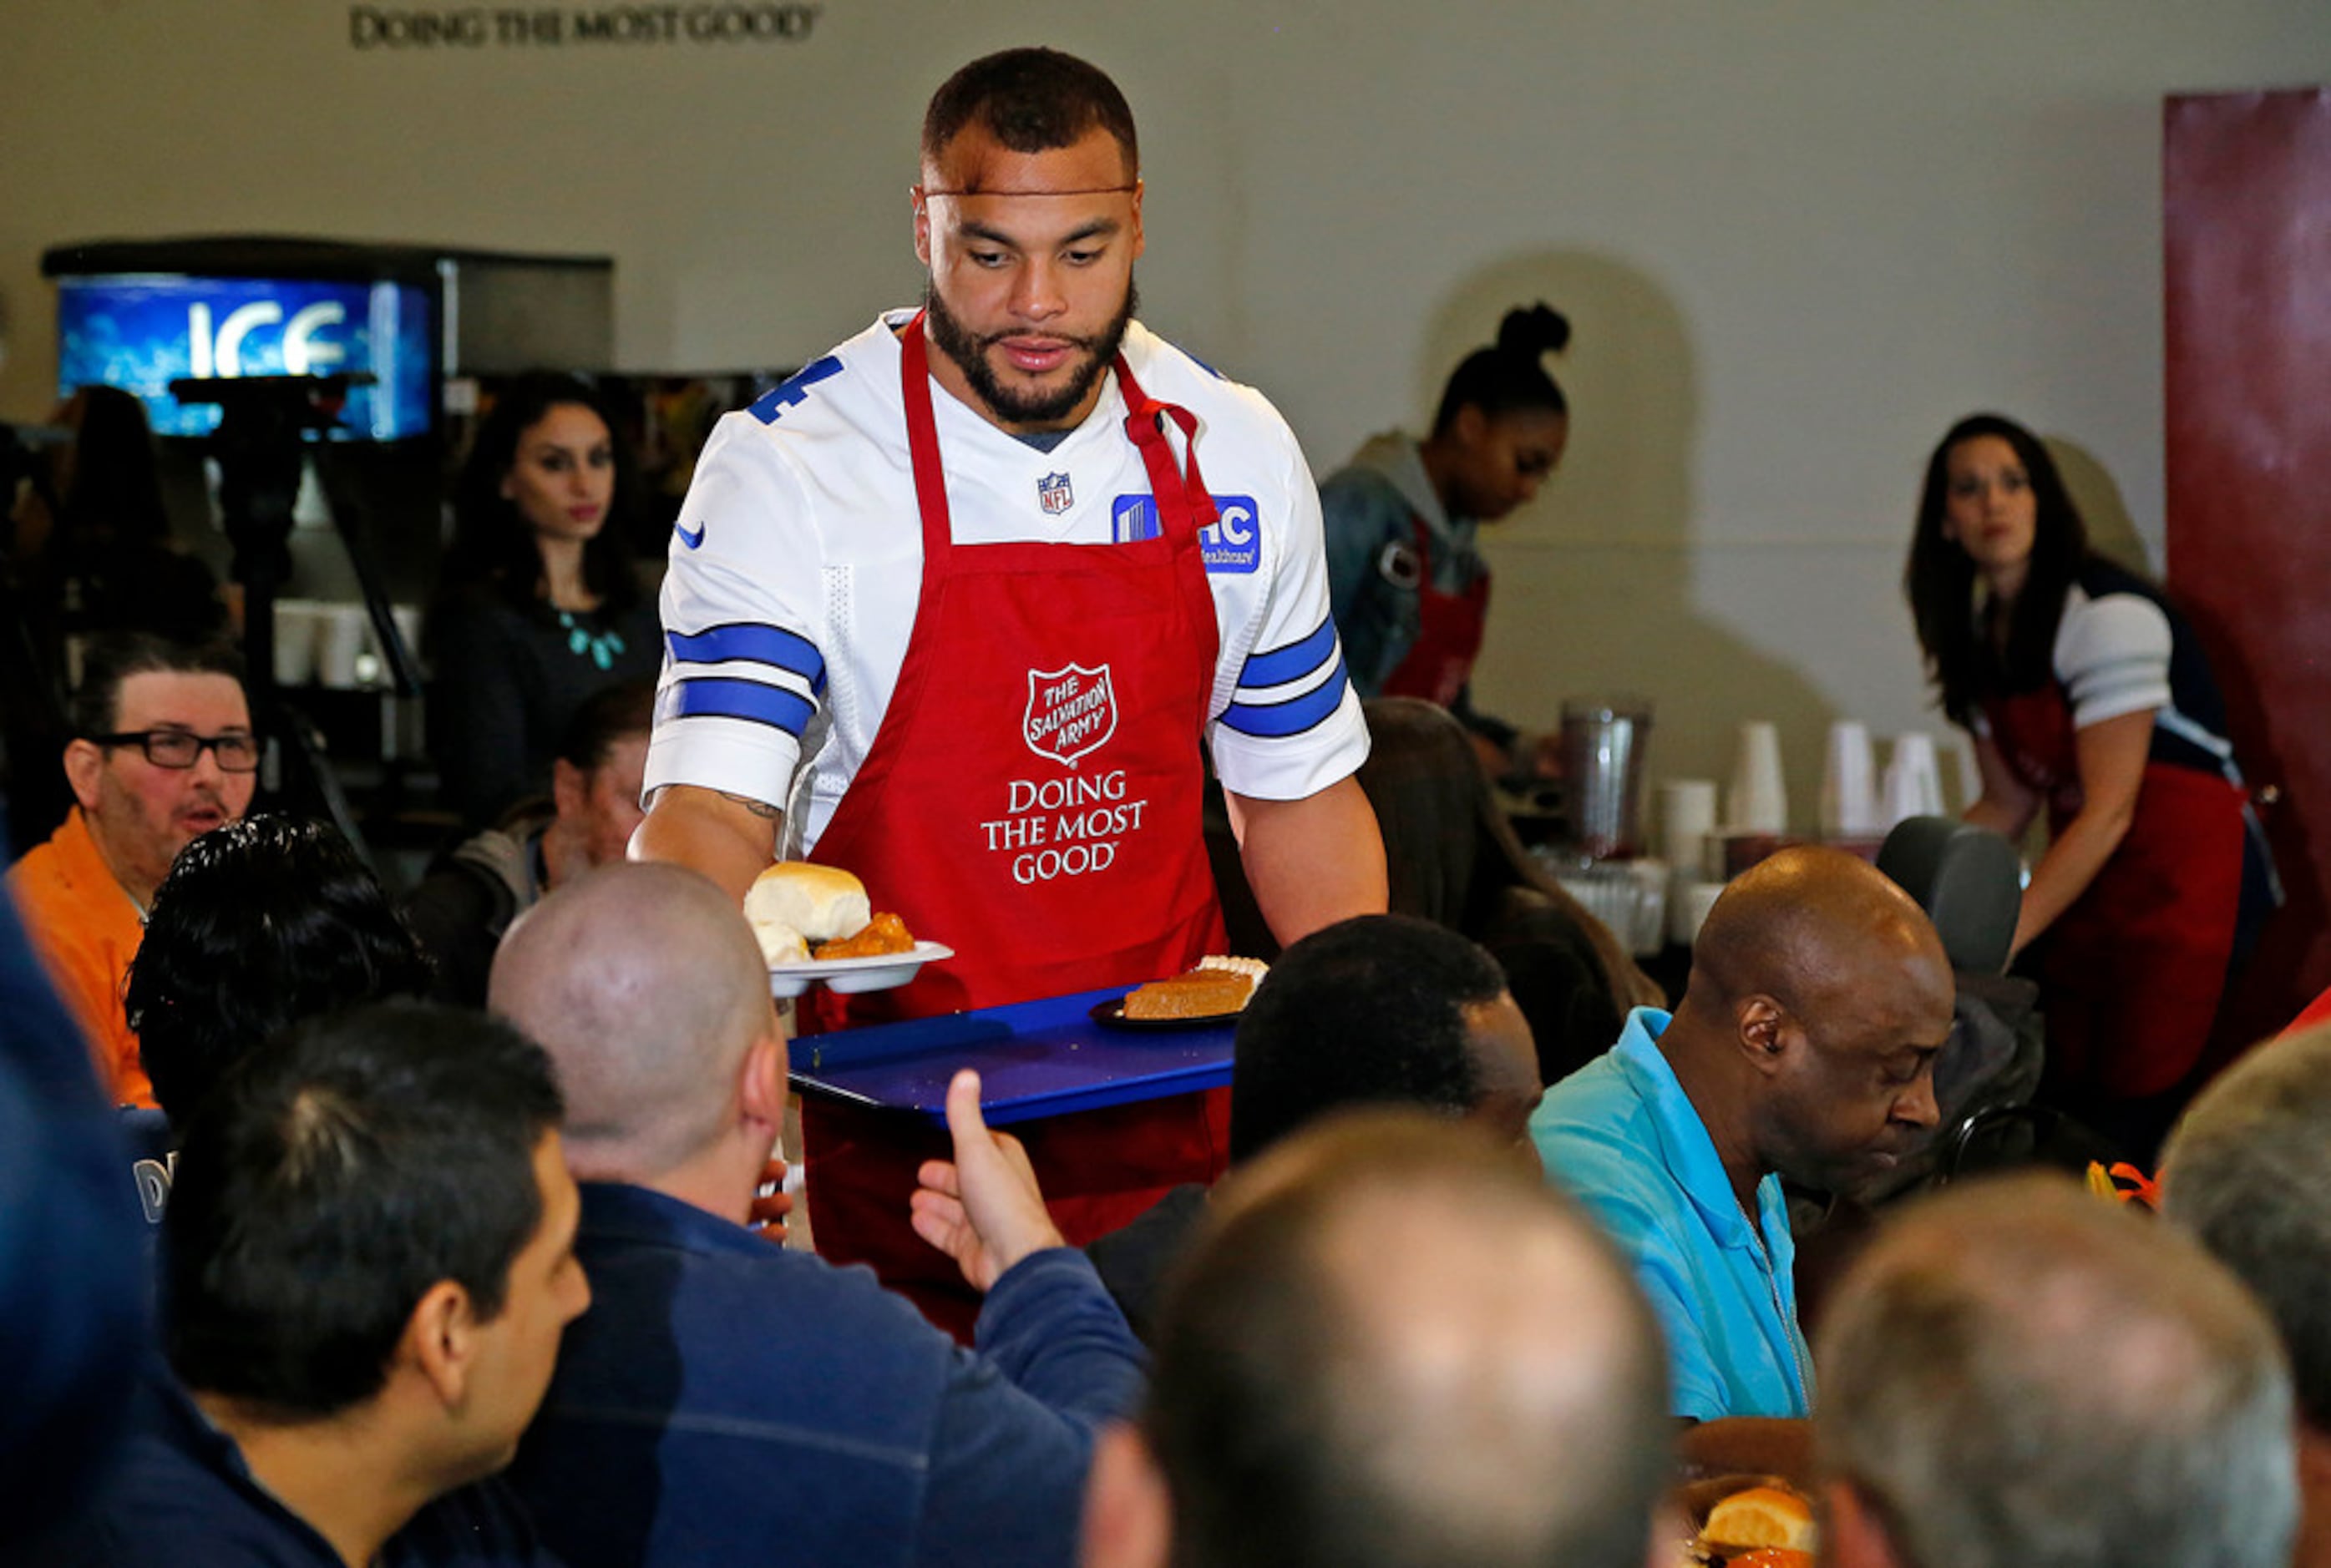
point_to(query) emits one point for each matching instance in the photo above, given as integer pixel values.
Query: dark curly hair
(492, 547)
(260, 923)
(1939, 580)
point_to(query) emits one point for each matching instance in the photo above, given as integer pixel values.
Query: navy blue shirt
(726, 1401)
(73, 1273)
(181, 1494)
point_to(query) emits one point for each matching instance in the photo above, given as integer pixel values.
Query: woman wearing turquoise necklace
(542, 606)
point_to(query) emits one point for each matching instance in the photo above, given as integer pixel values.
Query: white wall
(1796, 242)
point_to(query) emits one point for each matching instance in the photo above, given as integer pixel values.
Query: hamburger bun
(1760, 1517)
(794, 903)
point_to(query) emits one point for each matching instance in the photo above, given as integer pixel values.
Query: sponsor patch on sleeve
(1233, 543)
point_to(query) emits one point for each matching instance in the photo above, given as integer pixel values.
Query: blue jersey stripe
(718, 697)
(1276, 720)
(759, 644)
(1292, 663)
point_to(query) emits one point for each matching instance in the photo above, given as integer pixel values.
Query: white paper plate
(879, 973)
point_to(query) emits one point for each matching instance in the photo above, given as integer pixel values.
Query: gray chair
(1966, 878)
(1969, 882)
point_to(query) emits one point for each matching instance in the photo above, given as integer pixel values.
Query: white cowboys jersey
(796, 567)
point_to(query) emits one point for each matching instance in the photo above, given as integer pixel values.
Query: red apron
(1032, 799)
(1448, 633)
(2131, 974)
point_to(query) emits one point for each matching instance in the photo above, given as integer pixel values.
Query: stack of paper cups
(1914, 780)
(1687, 818)
(1758, 802)
(1849, 802)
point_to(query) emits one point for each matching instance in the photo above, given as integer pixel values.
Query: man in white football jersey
(955, 607)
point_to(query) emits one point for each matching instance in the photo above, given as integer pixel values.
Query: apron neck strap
(923, 440)
(1184, 505)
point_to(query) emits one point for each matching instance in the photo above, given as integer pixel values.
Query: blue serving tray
(1035, 1058)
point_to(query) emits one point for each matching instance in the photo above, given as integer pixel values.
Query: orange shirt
(86, 930)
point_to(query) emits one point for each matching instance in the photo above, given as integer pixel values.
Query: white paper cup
(1758, 801)
(1686, 816)
(1849, 802)
(1914, 780)
(298, 627)
(345, 629)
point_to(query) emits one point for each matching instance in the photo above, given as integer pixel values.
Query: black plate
(1112, 1013)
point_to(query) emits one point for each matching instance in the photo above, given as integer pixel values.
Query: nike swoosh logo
(691, 541)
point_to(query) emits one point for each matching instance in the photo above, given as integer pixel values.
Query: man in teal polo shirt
(1804, 1049)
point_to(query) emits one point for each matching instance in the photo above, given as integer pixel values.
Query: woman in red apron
(1011, 640)
(1410, 589)
(2088, 698)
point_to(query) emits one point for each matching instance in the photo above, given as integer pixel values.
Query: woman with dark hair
(542, 605)
(2086, 694)
(260, 923)
(1453, 860)
(1408, 585)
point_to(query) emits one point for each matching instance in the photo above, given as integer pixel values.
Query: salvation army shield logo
(1071, 710)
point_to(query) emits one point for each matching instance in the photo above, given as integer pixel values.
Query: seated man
(2247, 1169)
(465, 903)
(732, 1401)
(2020, 1375)
(163, 750)
(1502, 1408)
(1804, 1049)
(260, 924)
(1379, 1009)
(370, 1260)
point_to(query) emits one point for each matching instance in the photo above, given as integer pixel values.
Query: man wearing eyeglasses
(162, 751)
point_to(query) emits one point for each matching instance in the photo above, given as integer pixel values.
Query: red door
(2247, 230)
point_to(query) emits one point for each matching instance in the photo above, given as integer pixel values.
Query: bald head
(646, 987)
(1810, 924)
(1819, 998)
(1393, 1345)
(2018, 1373)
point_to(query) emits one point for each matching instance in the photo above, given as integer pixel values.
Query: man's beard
(1033, 407)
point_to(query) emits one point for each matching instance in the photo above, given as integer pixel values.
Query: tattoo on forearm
(761, 808)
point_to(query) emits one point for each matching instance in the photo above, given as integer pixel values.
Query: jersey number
(773, 404)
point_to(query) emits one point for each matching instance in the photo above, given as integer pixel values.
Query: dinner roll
(794, 903)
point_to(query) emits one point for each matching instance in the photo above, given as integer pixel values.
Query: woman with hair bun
(1409, 587)
(2088, 695)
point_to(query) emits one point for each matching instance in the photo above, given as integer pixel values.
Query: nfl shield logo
(1052, 491)
(1072, 711)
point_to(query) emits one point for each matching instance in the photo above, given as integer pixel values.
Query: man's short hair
(608, 717)
(111, 658)
(260, 923)
(1295, 1428)
(2249, 1171)
(1369, 1010)
(1031, 101)
(330, 1180)
(2019, 1374)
